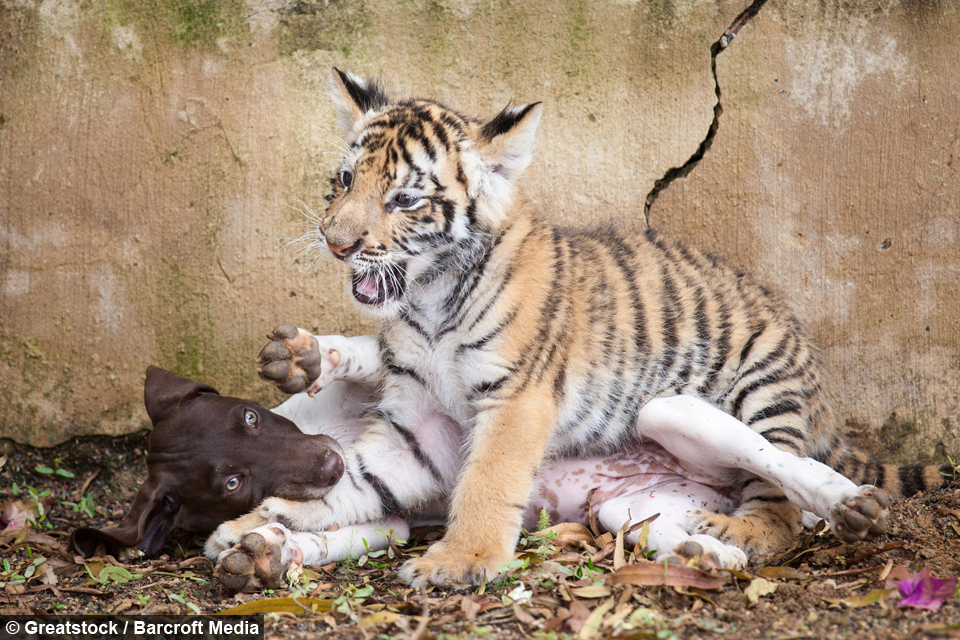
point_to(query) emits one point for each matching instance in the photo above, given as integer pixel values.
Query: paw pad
(291, 360)
(861, 514)
(253, 564)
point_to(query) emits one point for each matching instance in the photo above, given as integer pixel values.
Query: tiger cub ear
(506, 142)
(355, 101)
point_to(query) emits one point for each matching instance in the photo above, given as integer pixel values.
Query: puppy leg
(713, 443)
(229, 533)
(263, 556)
(677, 502)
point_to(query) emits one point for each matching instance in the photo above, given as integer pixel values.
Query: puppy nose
(344, 250)
(331, 469)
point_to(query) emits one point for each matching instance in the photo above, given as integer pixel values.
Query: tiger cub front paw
(445, 567)
(295, 361)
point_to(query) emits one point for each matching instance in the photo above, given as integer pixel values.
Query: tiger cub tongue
(368, 286)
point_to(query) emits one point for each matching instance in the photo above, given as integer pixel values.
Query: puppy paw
(707, 553)
(252, 565)
(445, 567)
(294, 361)
(860, 513)
(228, 534)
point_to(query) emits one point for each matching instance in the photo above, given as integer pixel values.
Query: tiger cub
(547, 342)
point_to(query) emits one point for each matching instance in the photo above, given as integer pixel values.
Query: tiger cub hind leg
(764, 524)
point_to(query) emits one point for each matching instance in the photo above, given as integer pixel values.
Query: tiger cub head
(421, 190)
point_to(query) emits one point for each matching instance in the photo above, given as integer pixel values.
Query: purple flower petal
(923, 591)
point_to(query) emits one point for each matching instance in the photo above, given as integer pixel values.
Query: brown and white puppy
(213, 458)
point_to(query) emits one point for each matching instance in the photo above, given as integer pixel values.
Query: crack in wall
(675, 173)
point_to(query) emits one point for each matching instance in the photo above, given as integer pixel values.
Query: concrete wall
(153, 155)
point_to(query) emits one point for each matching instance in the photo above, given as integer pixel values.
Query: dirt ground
(819, 589)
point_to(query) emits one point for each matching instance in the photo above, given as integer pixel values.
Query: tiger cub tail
(900, 481)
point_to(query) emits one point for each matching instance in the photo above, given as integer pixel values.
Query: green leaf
(117, 574)
(44, 470)
(65, 473)
(364, 592)
(543, 522)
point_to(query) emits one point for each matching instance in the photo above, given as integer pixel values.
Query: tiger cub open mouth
(377, 285)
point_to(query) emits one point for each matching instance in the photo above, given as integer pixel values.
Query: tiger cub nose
(344, 250)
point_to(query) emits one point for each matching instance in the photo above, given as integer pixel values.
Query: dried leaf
(94, 567)
(578, 614)
(644, 535)
(591, 626)
(38, 537)
(522, 615)
(895, 575)
(740, 575)
(619, 558)
(277, 605)
(592, 591)
(568, 557)
(380, 617)
(309, 575)
(670, 575)
(757, 588)
(49, 577)
(471, 606)
(784, 573)
(867, 599)
(568, 533)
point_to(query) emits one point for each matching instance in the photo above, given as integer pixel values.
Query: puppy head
(213, 458)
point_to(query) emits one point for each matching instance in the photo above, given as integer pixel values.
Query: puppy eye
(232, 484)
(250, 417)
(346, 179)
(405, 200)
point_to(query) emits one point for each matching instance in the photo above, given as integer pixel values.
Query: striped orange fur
(544, 341)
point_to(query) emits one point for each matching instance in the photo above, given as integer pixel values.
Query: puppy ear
(146, 527)
(355, 101)
(164, 392)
